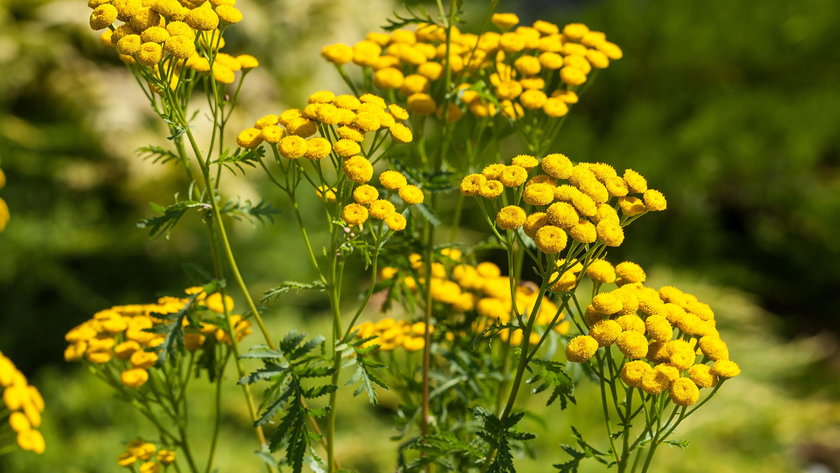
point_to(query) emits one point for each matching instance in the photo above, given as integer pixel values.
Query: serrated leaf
(157, 154)
(677, 443)
(241, 157)
(273, 294)
(169, 216)
(260, 212)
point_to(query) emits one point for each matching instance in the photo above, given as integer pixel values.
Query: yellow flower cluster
(4, 209)
(391, 334)
(139, 450)
(481, 290)
(21, 407)
(154, 32)
(371, 202)
(587, 202)
(523, 69)
(124, 334)
(661, 333)
(341, 123)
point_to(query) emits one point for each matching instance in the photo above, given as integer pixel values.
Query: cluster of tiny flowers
(390, 334)
(21, 408)
(154, 32)
(480, 290)
(581, 201)
(668, 337)
(125, 335)
(4, 209)
(347, 117)
(521, 68)
(376, 203)
(142, 451)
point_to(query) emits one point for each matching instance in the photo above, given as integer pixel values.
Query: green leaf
(551, 375)
(273, 294)
(260, 212)
(157, 154)
(169, 216)
(677, 443)
(174, 330)
(240, 158)
(364, 374)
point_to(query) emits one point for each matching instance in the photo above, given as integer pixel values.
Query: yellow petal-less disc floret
(513, 176)
(654, 200)
(411, 195)
(505, 21)
(684, 392)
(317, 148)
(551, 239)
(150, 54)
(337, 53)
(658, 328)
(703, 376)
(181, 47)
(134, 378)
(633, 344)
(539, 194)
(380, 209)
(292, 147)
(510, 217)
(635, 181)
(401, 133)
(633, 372)
(562, 214)
(606, 303)
(365, 194)
(354, 214)
(534, 222)
(471, 184)
(247, 61)
(491, 188)
(606, 332)
(393, 180)
(581, 348)
(249, 138)
(630, 272)
(228, 14)
(395, 222)
(557, 166)
(103, 16)
(602, 271)
(714, 348)
(202, 19)
(610, 233)
(358, 169)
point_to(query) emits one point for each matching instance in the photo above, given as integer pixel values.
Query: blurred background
(730, 107)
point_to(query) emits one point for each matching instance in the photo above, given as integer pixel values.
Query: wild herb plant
(398, 165)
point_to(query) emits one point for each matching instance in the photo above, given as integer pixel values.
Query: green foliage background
(730, 107)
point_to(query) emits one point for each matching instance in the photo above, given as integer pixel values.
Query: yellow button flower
(633, 372)
(365, 194)
(633, 344)
(411, 195)
(395, 221)
(510, 217)
(358, 169)
(581, 348)
(354, 214)
(551, 239)
(337, 53)
(606, 332)
(380, 209)
(684, 392)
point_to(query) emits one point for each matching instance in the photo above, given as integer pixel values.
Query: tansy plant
(394, 165)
